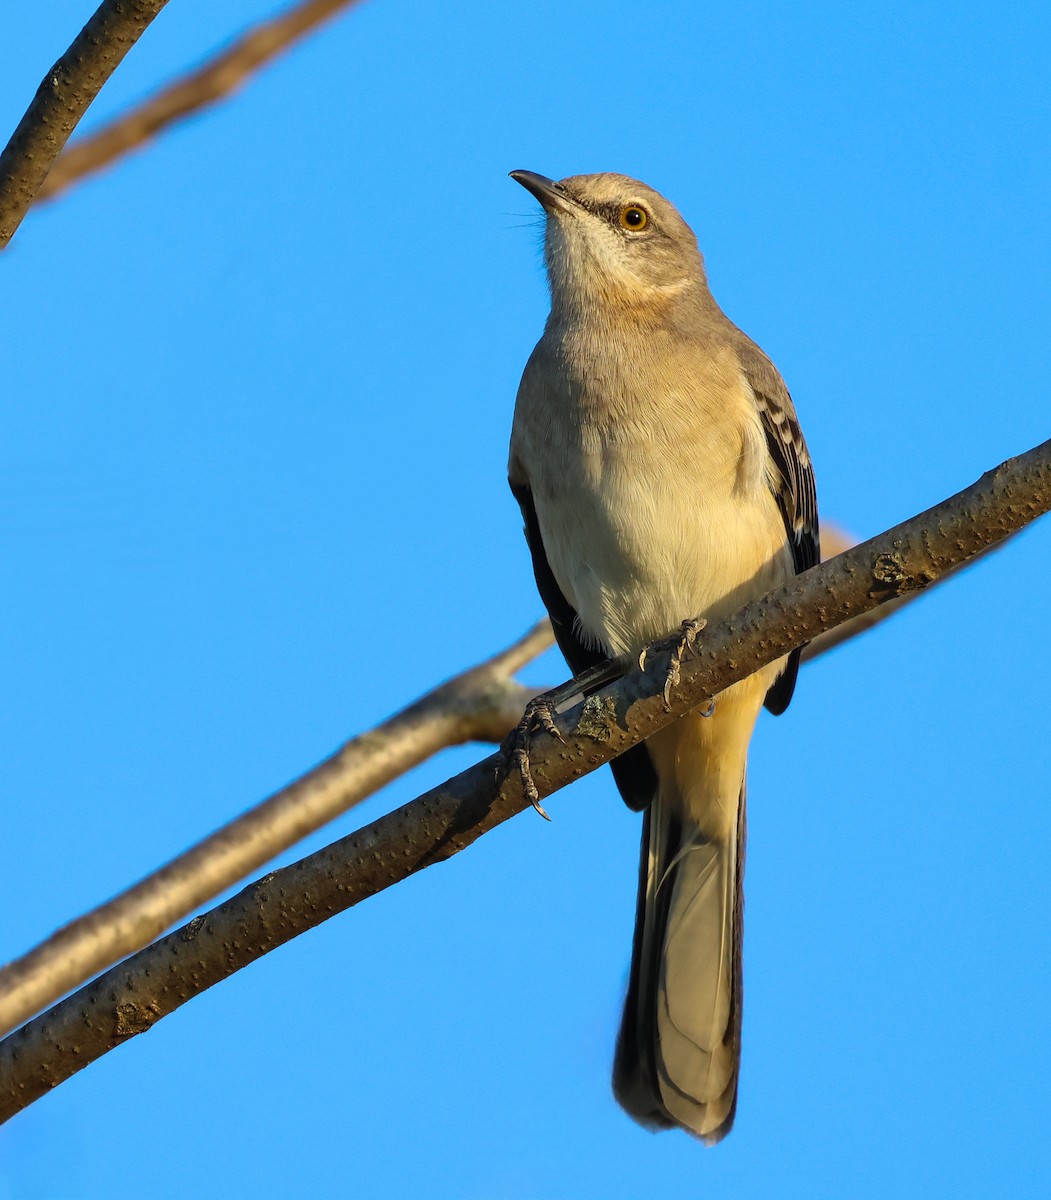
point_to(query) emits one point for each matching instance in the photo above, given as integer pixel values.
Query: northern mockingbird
(662, 475)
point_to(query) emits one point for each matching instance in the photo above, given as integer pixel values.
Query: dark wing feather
(792, 484)
(633, 771)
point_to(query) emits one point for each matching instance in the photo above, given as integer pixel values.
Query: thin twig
(62, 99)
(479, 705)
(131, 997)
(207, 85)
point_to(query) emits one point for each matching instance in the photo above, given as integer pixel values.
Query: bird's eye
(634, 218)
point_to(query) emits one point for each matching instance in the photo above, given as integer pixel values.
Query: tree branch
(207, 85)
(62, 99)
(834, 541)
(479, 705)
(129, 998)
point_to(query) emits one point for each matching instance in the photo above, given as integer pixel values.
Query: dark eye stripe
(611, 212)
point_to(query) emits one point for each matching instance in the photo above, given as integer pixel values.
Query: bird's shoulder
(535, 405)
(793, 482)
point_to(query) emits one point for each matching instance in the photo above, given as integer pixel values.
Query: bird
(662, 476)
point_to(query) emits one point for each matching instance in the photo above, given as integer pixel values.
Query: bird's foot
(679, 645)
(539, 714)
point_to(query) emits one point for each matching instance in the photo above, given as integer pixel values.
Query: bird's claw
(681, 644)
(539, 714)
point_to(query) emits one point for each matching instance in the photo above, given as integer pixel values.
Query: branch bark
(131, 997)
(834, 541)
(207, 85)
(62, 99)
(479, 705)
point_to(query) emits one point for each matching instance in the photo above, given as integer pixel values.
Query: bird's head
(613, 241)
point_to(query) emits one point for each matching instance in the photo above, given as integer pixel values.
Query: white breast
(647, 524)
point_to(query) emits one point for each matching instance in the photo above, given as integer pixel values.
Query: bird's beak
(550, 194)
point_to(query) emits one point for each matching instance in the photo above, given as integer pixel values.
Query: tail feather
(679, 1046)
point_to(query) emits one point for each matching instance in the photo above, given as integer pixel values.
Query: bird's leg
(679, 645)
(539, 714)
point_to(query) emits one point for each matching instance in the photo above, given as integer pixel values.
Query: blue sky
(259, 382)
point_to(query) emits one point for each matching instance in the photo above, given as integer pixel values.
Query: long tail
(680, 1038)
